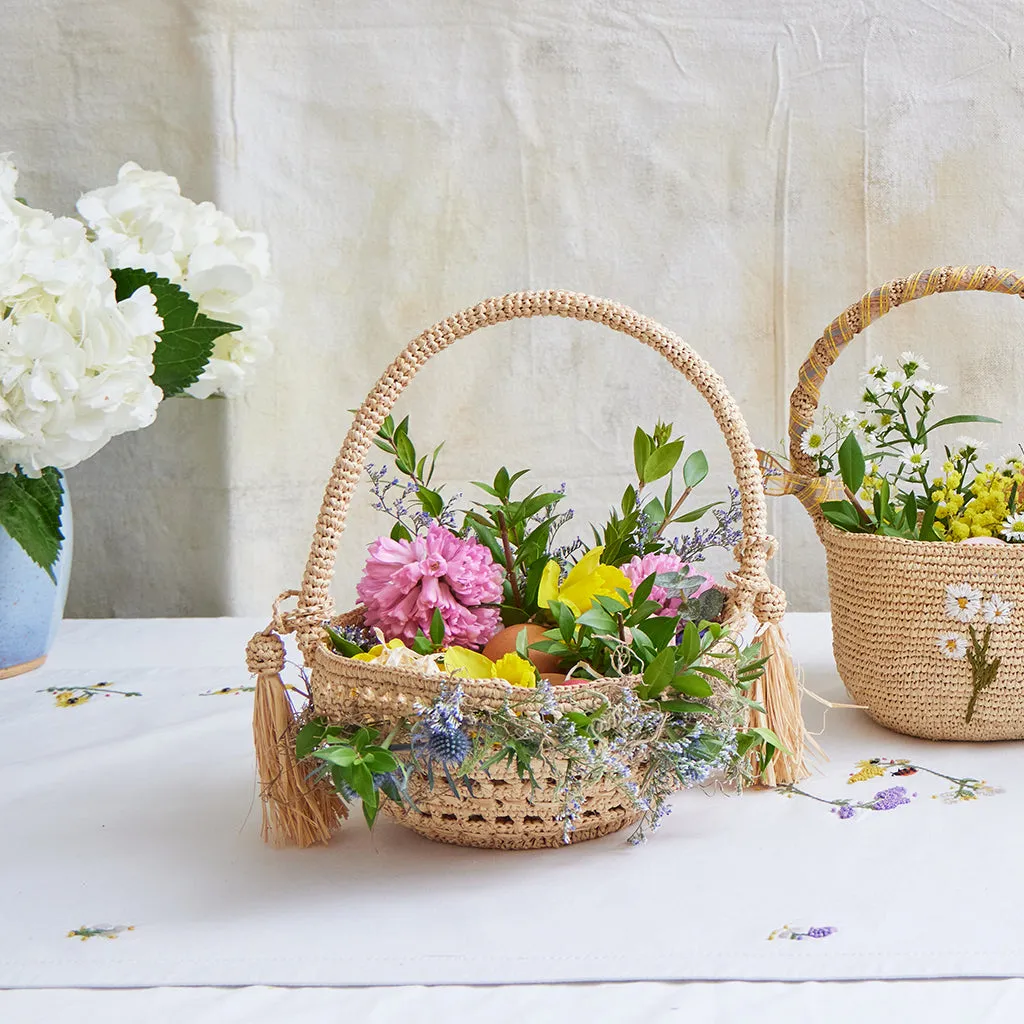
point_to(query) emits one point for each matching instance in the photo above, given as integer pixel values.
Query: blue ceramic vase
(31, 604)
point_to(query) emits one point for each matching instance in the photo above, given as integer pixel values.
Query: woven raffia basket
(888, 594)
(505, 812)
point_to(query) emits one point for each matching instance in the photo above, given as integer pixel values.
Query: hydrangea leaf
(30, 512)
(187, 340)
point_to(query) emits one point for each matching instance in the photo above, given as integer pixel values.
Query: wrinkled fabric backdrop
(739, 171)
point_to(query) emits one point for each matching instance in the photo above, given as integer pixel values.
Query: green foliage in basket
(882, 454)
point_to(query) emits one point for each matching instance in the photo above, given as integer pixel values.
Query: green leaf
(655, 511)
(406, 459)
(851, 463)
(659, 672)
(949, 420)
(523, 644)
(309, 738)
(692, 517)
(644, 588)
(30, 513)
(641, 453)
(692, 685)
(597, 618)
(361, 780)
(188, 336)
(380, 761)
(421, 643)
(662, 461)
(685, 707)
(695, 469)
(487, 537)
(341, 754)
(502, 484)
(370, 808)
(628, 500)
(437, 628)
(432, 502)
(769, 737)
(566, 621)
(689, 645)
(661, 629)
(341, 644)
(842, 515)
(399, 532)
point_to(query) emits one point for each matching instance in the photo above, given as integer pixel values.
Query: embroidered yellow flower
(460, 661)
(586, 580)
(867, 770)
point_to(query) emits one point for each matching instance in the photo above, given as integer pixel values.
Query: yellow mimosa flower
(586, 580)
(460, 661)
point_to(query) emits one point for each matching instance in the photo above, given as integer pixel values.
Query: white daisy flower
(929, 387)
(896, 383)
(915, 459)
(996, 611)
(813, 441)
(1013, 536)
(910, 363)
(952, 645)
(876, 372)
(963, 602)
(963, 442)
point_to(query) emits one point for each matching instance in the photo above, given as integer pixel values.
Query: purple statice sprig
(726, 532)
(398, 500)
(884, 800)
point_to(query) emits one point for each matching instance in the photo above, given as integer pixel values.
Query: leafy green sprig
(637, 527)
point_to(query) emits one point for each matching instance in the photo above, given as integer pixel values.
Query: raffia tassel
(295, 811)
(779, 691)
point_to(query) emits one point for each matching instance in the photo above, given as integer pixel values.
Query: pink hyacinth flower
(405, 581)
(640, 568)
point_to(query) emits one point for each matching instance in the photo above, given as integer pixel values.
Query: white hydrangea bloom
(144, 221)
(75, 365)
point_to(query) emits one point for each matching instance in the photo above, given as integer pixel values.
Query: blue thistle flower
(448, 747)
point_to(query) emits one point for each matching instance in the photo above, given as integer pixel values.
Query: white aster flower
(75, 364)
(876, 372)
(963, 602)
(952, 645)
(964, 443)
(1013, 530)
(915, 459)
(813, 441)
(929, 387)
(910, 363)
(144, 221)
(996, 611)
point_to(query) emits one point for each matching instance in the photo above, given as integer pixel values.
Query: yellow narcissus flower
(460, 661)
(375, 652)
(586, 580)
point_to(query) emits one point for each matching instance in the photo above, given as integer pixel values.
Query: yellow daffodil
(375, 652)
(586, 580)
(460, 661)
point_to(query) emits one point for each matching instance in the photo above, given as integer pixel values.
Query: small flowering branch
(883, 800)
(787, 931)
(69, 696)
(962, 788)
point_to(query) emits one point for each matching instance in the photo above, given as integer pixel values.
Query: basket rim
(876, 539)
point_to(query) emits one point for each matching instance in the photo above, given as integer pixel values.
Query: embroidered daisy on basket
(968, 605)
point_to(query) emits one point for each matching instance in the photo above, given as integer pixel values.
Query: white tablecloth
(136, 812)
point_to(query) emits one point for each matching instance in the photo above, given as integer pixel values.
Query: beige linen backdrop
(739, 171)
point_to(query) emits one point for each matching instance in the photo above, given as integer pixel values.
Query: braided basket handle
(875, 304)
(754, 550)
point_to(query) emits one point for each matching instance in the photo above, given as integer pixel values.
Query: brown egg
(505, 643)
(557, 678)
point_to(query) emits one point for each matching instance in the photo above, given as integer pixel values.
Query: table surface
(142, 652)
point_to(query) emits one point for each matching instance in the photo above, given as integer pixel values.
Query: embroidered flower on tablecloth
(884, 800)
(960, 789)
(70, 696)
(103, 931)
(787, 931)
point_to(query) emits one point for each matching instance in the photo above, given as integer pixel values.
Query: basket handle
(875, 304)
(756, 547)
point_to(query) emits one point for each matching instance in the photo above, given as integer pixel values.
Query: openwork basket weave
(888, 594)
(506, 812)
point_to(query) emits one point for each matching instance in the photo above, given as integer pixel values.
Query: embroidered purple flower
(887, 799)
(821, 933)
(846, 811)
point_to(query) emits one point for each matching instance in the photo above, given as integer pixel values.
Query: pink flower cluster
(404, 581)
(640, 568)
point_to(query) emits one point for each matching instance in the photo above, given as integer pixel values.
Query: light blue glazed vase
(31, 604)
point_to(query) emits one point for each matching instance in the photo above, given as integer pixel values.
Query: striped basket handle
(803, 403)
(754, 550)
